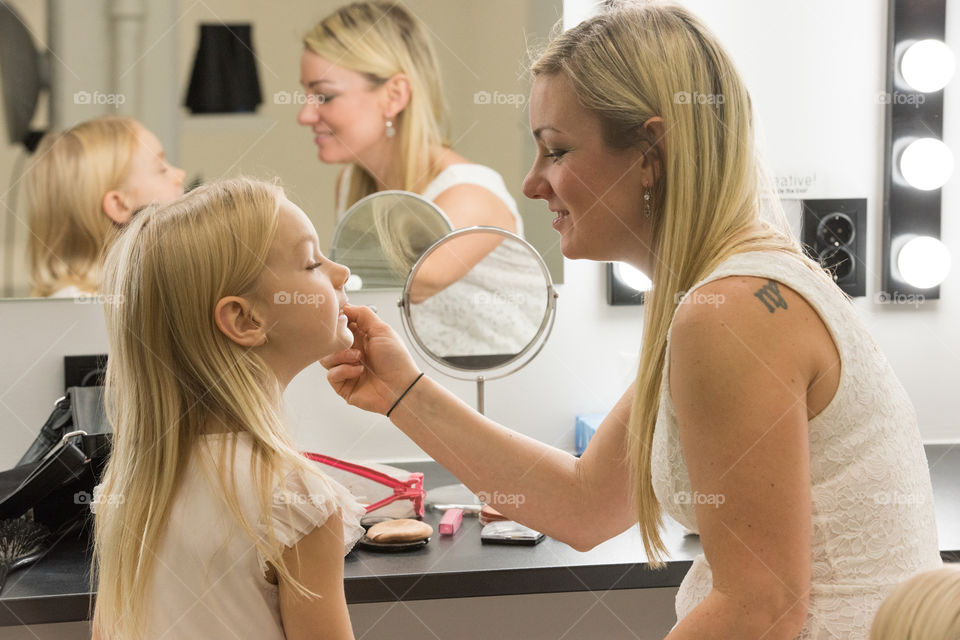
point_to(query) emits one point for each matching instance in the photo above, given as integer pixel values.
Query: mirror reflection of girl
(764, 417)
(82, 185)
(375, 103)
(209, 523)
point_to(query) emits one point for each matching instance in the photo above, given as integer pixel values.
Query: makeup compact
(509, 532)
(402, 534)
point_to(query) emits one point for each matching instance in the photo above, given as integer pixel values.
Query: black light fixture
(224, 78)
(22, 75)
(917, 162)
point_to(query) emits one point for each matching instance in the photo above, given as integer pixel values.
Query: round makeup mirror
(479, 304)
(383, 235)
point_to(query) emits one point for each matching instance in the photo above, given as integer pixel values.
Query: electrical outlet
(834, 232)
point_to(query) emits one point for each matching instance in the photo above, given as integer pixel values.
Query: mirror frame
(352, 209)
(518, 361)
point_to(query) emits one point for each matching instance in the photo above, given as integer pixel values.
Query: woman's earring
(646, 203)
(391, 130)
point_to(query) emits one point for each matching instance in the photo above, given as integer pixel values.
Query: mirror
(479, 303)
(383, 235)
(146, 60)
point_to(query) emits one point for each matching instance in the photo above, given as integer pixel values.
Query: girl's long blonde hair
(925, 607)
(65, 183)
(172, 375)
(637, 60)
(380, 40)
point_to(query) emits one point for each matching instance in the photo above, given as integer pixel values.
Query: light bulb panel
(916, 163)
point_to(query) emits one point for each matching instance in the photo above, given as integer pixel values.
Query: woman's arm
(466, 205)
(739, 375)
(579, 501)
(317, 562)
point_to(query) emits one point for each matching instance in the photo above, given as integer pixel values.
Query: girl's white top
(209, 580)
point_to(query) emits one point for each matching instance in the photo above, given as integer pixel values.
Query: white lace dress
(873, 521)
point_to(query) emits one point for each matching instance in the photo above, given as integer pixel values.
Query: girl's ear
(236, 320)
(115, 206)
(397, 94)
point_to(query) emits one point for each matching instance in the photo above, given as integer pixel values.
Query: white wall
(816, 122)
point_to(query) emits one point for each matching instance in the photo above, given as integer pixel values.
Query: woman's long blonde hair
(380, 40)
(635, 61)
(925, 607)
(172, 375)
(65, 183)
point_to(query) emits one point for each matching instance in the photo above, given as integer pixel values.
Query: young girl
(925, 607)
(83, 184)
(209, 523)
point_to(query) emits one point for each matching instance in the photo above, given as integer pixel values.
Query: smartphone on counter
(509, 532)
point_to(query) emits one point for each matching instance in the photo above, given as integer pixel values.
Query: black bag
(56, 476)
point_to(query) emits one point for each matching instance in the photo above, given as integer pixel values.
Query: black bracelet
(403, 394)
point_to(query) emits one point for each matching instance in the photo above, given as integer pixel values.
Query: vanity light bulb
(927, 65)
(354, 283)
(632, 277)
(924, 262)
(926, 164)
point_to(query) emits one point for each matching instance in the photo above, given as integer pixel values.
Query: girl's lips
(561, 218)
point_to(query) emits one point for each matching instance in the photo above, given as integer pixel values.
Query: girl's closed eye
(314, 266)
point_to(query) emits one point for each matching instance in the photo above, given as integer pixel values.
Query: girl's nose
(341, 275)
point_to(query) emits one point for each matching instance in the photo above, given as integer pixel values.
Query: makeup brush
(22, 542)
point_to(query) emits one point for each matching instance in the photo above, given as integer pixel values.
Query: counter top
(57, 588)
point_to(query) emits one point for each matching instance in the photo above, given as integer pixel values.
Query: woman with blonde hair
(375, 103)
(925, 607)
(763, 417)
(82, 185)
(209, 523)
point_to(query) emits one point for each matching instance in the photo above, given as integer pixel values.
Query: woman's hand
(376, 369)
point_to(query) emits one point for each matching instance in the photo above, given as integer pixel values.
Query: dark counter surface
(57, 588)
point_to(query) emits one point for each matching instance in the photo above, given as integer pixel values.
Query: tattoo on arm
(769, 295)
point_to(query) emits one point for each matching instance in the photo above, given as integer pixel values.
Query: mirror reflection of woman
(82, 185)
(764, 417)
(375, 104)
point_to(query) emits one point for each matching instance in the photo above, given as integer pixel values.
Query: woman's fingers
(343, 373)
(347, 356)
